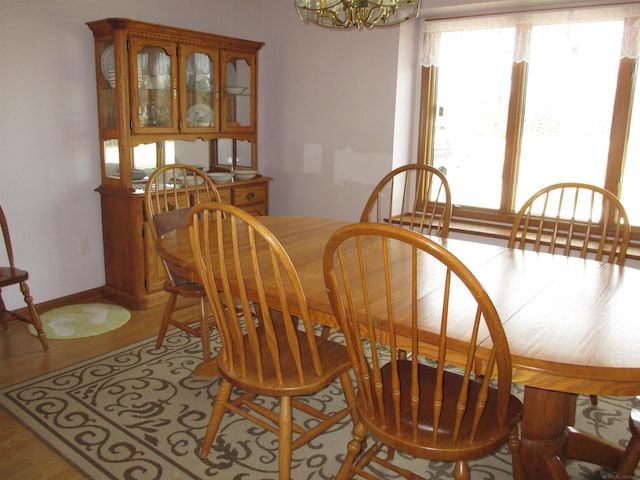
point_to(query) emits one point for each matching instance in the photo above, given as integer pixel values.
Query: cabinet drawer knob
(250, 196)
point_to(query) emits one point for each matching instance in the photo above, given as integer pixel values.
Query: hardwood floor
(23, 455)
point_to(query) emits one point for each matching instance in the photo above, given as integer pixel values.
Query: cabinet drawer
(248, 195)
(256, 209)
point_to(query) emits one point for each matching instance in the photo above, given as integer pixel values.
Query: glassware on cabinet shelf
(237, 88)
(200, 90)
(107, 92)
(154, 87)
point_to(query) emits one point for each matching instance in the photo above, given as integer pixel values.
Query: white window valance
(524, 22)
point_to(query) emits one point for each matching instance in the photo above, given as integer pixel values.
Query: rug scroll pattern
(138, 414)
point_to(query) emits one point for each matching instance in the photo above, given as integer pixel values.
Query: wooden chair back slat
(416, 197)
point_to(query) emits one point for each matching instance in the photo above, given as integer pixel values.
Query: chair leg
(33, 313)
(354, 447)
(593, 399)
(166, 318)
(517, 465)
(350, 396)
(631, 456)
(461, 470)
(216, 417)
(284, 439)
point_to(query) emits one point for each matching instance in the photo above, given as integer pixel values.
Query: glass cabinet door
(239, 80)
(111, 158)
(154, 86)
(107, 82)
(199, 97)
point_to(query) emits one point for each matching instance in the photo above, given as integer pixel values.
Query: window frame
(495, 223)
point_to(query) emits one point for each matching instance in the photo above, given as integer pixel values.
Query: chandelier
(349, 14)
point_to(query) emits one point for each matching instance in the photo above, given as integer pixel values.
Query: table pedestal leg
(543, 432)
(548, 440)
(593, 449)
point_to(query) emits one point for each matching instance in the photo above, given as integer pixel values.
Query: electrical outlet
(84, 246)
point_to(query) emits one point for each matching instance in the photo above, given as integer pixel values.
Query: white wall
(328, 112)
(327, 109)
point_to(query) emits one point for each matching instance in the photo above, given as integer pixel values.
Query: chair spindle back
(235, 248)
(578, 218)
(365, 269)
(416, 197)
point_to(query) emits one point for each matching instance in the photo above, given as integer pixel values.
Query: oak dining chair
(416, 197)
(11, 275)
(170, 192)
(269, 345)
(573, 219)
(425, 409)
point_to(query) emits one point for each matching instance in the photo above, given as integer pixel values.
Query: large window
(472, 111)
(511, 104)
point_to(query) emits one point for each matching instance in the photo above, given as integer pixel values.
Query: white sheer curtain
(523, 22)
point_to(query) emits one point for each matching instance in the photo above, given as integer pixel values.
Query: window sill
(501, 233)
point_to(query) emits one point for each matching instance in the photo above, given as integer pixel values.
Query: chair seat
(490, 435)
(335, 360)
(11, 276)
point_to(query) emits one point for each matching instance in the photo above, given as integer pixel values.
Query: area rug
(137, 413)
(82, 320)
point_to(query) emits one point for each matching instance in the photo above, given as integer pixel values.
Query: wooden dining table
(572, 327)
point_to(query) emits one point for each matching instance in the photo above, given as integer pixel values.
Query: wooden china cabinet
(168, 95)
